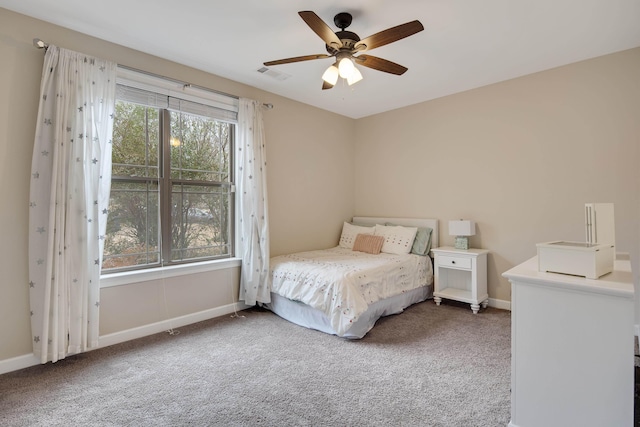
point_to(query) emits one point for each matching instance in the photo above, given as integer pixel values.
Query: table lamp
(462, 229)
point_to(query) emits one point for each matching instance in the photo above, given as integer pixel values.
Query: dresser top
(617, 283)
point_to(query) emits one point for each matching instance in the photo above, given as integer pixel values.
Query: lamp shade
(331, 75)
(345, 67)
(462, 227)
(355, 76)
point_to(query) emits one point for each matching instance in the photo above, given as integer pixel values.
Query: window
(172, 180)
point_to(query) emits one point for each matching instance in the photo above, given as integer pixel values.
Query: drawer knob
(453, 262)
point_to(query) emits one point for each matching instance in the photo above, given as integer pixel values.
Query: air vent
(274, 74)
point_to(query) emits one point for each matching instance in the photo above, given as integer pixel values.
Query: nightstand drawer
(457, 262)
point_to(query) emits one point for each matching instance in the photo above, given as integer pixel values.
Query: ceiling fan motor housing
(348, 38)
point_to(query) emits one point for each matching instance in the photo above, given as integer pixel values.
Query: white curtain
(252, 204)
(70, 183)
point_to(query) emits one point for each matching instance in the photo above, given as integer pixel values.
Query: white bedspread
(342, 283)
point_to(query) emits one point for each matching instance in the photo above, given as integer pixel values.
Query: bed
(344, 290)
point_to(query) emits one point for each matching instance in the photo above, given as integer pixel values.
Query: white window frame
(174, 88)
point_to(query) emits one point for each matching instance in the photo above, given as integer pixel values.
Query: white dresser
(572, 348)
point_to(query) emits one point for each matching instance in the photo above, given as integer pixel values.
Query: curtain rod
(42, 45)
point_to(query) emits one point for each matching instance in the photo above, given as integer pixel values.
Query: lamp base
(462, 242)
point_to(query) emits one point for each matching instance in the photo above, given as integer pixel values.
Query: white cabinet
(461, 275)
(571, 348)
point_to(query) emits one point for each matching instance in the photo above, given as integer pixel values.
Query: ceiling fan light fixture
(355, 76)
(331, 75)
(346, 67)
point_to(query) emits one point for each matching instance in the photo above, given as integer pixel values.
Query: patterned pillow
(397, 239)
(350, 232)
(368, 243)
(422, 242)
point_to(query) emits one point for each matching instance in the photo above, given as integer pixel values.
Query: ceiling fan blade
(326, 85)
(380, 64)
(297, 59)
(389, 35)
(321, 28)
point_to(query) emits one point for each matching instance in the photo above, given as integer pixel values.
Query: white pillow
(397, 239)
(349, 233)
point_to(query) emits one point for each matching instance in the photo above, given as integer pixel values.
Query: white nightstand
(461, 275)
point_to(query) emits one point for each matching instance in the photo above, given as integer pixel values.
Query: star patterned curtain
(252, 204)
(69, 196)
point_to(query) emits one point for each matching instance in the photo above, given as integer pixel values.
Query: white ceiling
(465, 44)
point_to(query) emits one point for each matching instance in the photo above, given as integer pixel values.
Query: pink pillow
(368, 243)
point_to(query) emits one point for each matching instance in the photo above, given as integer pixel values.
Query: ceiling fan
(344, 45)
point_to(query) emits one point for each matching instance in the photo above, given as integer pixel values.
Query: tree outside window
(171, 199)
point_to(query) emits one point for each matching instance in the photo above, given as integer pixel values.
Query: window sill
(129, 277)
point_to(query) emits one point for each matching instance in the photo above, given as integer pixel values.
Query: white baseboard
(18, 362)
(27, 360)
(500, 303)
(165, 325)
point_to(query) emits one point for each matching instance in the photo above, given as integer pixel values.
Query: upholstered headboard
(409, 222)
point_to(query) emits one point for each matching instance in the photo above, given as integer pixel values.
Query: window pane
(200, 222)
(200, 148)
(132, 225)
(193, 160)
(136, 136)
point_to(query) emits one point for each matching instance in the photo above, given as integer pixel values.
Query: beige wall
(310, 176)
(153, 301)
(520, 158)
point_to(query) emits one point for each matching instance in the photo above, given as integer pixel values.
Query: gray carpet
(429, 366)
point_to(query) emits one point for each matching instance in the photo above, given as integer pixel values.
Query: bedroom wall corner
(310, 178)
(520, 157)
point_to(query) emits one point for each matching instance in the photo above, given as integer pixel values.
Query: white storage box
(580, 259)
